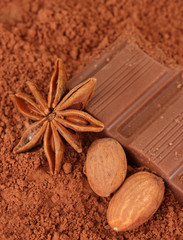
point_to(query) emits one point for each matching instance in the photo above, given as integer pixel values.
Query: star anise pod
(60, 117)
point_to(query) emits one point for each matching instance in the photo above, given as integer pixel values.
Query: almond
(136, 201)
(106, 166)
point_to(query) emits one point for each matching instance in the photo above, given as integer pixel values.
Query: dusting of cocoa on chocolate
(35, 205)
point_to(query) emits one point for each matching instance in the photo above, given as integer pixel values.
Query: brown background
(34, 204)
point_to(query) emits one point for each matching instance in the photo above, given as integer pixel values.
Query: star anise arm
(27, 106)
(49, 148)
(39, 98)
(59, 149)
(58, 84)
(54, 148)
(79, 121)
(71, 137)
(78, 97)
(31, 137)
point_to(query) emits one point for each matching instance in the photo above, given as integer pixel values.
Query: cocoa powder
(33, 203)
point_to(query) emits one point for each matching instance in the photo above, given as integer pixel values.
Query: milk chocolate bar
(140, 103)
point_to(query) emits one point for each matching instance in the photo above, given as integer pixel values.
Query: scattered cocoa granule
(67, 167)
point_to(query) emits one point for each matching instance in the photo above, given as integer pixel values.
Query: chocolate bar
(140, 103)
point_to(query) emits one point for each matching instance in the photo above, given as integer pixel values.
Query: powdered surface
(34, 204)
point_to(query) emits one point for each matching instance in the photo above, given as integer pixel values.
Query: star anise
(60, 117)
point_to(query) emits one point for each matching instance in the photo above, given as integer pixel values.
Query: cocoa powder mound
(33, 203)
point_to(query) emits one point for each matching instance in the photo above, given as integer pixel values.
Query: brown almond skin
(136, 201)
(106, 166)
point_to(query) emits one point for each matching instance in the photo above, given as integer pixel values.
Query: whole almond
(106, 166)
(136, 201)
